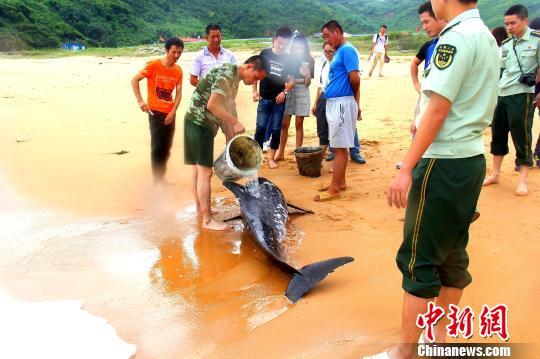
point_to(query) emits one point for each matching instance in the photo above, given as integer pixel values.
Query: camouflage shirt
(222, 80)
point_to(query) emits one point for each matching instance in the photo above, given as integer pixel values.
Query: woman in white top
(319, 107)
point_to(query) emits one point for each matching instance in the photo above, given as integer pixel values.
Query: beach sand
(82, 223)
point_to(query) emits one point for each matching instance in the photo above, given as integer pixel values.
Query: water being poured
(252, 185)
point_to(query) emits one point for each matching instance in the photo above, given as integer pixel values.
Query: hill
(111, 23)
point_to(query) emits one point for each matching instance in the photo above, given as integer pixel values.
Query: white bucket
(242, 158)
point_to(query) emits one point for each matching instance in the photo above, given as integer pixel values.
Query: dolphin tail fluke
(308, 276)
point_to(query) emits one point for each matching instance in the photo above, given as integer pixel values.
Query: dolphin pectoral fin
(312, 274)
(293, 209)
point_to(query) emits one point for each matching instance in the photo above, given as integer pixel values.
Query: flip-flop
(326, 188)
(325, 197)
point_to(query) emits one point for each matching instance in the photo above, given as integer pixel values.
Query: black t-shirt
(296, 64)
(422, 53)
(278, 76)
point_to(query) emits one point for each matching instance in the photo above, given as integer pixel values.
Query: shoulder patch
(535, 33)
(444, 56)
(507, 40)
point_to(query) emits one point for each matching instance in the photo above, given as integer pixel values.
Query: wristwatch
(286, 93)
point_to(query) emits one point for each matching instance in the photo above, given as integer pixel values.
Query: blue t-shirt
(429, 53)
(345, 60)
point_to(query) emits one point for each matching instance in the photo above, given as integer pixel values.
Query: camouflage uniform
(200, 125)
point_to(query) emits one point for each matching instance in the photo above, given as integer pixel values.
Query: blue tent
(73, 46)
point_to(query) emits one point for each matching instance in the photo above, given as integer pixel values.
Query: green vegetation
(35, 24)
(255, 46)
(402, 44)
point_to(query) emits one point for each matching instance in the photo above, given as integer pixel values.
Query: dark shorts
(441, 204)
(198, 145)
(514, 114)
(322, 123)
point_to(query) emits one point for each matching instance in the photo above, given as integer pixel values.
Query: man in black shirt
(433, 27)
(273, 91)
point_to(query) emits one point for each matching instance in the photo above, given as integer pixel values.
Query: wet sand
(81, 223)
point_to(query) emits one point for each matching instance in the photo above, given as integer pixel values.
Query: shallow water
(157, 273)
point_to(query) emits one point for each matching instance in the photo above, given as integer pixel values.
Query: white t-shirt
(380, 42)
(204, 61)
(322, 70)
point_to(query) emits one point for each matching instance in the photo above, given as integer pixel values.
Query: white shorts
(341, 114)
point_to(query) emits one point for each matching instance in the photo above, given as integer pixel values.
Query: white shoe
(266, 146)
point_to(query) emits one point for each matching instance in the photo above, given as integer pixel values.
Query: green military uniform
(515, 106)
(448, 179)
(200, 125)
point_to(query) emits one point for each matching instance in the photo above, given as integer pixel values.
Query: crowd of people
(472, 78)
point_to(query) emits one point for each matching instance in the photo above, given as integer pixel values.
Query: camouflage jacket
(222, 80)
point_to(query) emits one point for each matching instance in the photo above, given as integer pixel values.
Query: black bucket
(309, 161)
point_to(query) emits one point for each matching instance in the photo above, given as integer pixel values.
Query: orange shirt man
(164, 77)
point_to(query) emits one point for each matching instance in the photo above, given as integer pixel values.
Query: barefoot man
(212, 104)
(342, 95)
(441, 176)
(515, 108)
(273, 92)
(164, 77)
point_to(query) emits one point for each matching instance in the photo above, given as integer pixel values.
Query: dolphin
(265, 213)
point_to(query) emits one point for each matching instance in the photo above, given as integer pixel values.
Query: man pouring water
(212, 104)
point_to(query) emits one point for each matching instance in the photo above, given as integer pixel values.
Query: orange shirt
(161, 84)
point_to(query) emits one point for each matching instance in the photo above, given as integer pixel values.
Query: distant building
(73, 46)
(192, 39)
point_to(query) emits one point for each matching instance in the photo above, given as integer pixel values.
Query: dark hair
(173, 41)
(332, 25)
(386, 27)
(468, 1)
(212, 27)
(535, 24)
(283, 31)
(303, 40)
(426, 7)
(500, 34)
(258, 62)
(519, 10)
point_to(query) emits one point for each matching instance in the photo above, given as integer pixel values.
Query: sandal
(326, 188)
(325, 197)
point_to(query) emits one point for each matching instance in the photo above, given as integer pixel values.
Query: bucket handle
(252, 136)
